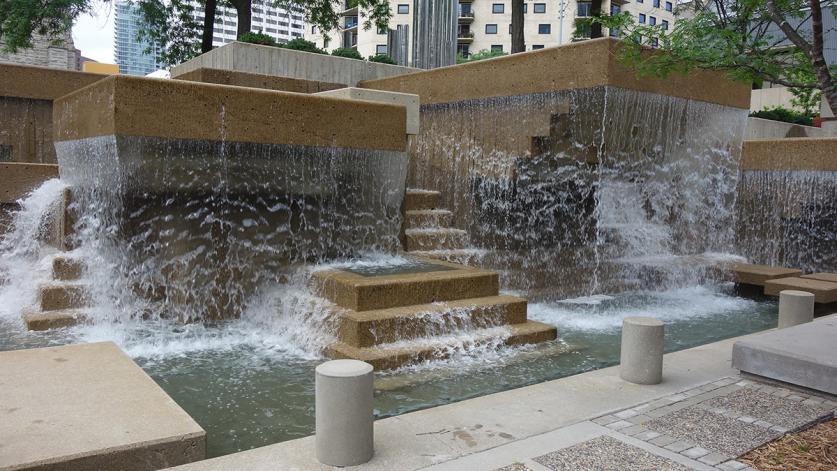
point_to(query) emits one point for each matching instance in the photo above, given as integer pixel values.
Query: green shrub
(347, 52)
(299, 44)
(257, 38)
(382, 58)
(478, 56)
(780, 113)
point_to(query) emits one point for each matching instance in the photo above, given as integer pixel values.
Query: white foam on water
(588, 300)
(669, 306)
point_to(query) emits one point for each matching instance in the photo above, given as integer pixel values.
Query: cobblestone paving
(604, 452)
(717, 422)
(514, 467)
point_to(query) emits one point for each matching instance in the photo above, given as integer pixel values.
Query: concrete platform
(830, 277)
(825, 292)
(417, 200)
(803, 355)
(83, 407)
(45, 320)
(749, 274)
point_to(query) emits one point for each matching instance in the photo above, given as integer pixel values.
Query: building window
(669, 6)
(381, 49)
(584, 9)
(655, 42)
(510, 28)
(525, 8)
(665, 24)
(545, 29)
(539, 7)
(652, 20)
(535, 47)
(656, 3)
(464, 9)
(403, 8)
(498, 8)
(496, 48)
(313, 29)
(642, 18)
(462, 50)
(490, 29)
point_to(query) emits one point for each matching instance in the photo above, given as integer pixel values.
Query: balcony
(466, 16)
(350, 23)
(465, 37)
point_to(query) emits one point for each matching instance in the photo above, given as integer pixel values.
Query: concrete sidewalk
(442, 434)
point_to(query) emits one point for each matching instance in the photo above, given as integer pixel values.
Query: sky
(93, 33)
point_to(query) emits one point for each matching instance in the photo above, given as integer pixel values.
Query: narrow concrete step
(757, 275)
(425, 218)
(822, 276)
(368, 328)
(67, 268)
(58, 296)
(394, 355)
(436, 239)
(40, 320)
(360, 292)
(416, 199)
(824, 292)
(463, 256)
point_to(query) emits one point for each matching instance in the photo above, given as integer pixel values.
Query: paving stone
(716, 432)
(633, 430)
(747, 419)
(762, 424)
(639, 419)
(679, 446)
(625, 414)
(733, 465)
(606, 452)
(663, 440)
(619, 425)
(813, 402)
(514, 467)
(795, 398)
(779, 429)
(713, 459)
(648, 435)
(676, 397)
(605, 419)
(769, 408)
(695, 452)
(782, 393)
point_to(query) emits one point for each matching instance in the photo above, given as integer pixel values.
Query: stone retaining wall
(269, 82)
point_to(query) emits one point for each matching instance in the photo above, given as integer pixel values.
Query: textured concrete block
(83, 407)
(801, 355)
(757, 275)
(251, 80)
(18, 179)
(790, 154)
(408, 100)
(824, 291)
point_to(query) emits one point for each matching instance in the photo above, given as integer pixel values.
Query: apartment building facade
(132, 56)
(279, 23)
(486, 24)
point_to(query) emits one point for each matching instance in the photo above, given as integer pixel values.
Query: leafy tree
(258, 38)
(780, 41)
(299, 44)
(382, 58)
(347, 52)
(171, 23)
(780, 113)
(478, 56)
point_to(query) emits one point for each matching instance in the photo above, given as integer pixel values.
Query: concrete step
(461, 256)
(368, 328)
(436, 239)
(394, 355)
(416, 199)
(825, 292)
(36, 319)
(56, 296)
(424, 218)
(757, 275)
(67, 268)
(360, 292)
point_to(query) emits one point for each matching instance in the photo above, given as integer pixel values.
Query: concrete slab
(825, 292)
(830, 277)
(407, 100)
(802, 355)
(757, 275)
(89, 407)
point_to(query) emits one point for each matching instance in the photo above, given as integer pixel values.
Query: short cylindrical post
(641, 361)
(795, 307)
(343, 410)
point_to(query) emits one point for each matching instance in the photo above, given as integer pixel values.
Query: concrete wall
(26, 95)
(816, 154)
(771, 97)
(16, 180)
(584, 64)
(269, 60)
(758, 128)
(269, 82)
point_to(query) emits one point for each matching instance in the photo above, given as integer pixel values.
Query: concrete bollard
(641, 361)
(795, 307)
(343, 412)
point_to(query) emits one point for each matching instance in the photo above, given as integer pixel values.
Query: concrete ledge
(802, 355)
(584, 64)
(18, 179)
(132, 106)
(269, 60)
(42, 83)
(825, 292)
(407, 100)
(819, 154)
(757, 275)
(269, 82)
(759, 128)
(89, 406)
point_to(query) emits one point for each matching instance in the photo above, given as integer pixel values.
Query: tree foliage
(347, 52)
(478, 56)
(780, 41)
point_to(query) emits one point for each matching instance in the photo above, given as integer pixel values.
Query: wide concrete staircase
(428, 231)
(431, 312)
(61, 302)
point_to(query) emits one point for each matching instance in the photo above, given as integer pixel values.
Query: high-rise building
(133, 56)
(278, 23)
(486, 24)
(58, 53)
